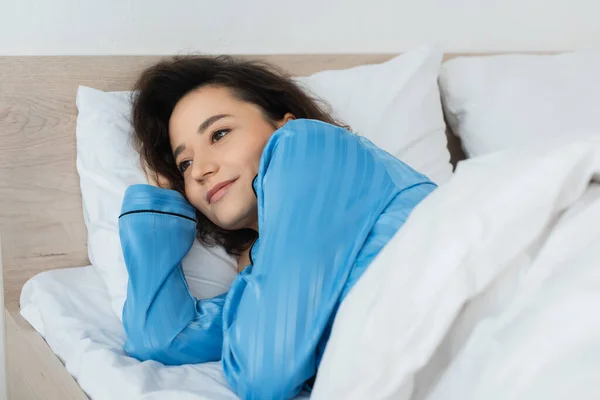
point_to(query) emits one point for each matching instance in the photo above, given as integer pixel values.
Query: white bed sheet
(72, 310)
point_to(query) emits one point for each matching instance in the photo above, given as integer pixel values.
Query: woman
(249, 161)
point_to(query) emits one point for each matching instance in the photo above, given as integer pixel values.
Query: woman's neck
(244, 259)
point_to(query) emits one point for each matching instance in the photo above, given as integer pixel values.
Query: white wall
(293, 26)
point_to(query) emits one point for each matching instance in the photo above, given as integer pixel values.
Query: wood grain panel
(34, 372)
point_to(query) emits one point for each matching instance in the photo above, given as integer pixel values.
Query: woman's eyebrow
(178, 150)
(209, 121)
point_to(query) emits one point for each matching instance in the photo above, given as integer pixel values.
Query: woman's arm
(319, 191)
(162, 320)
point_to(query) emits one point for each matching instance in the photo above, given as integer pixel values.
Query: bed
(41, 225)
(516, 252)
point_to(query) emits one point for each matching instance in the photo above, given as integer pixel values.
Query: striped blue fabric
(328, 202)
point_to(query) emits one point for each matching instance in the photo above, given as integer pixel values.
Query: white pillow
(499, 102)
(395, 104)
(107, 165)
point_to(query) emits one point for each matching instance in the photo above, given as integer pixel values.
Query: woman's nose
(203, 169)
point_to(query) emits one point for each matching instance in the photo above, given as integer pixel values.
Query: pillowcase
(499, 102)
(395, 104)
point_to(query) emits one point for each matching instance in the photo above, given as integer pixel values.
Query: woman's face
(217, 141)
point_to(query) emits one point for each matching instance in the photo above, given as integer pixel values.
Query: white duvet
(490, 291)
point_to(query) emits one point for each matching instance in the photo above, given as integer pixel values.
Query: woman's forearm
(163, 321)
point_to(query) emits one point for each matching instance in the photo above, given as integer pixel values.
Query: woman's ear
(286, 118)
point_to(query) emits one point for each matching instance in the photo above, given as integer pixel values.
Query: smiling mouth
(218, 191)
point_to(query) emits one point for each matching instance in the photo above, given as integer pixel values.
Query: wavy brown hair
(161, 86)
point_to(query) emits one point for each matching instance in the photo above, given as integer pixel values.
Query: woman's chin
(230, 224)
(239, 223)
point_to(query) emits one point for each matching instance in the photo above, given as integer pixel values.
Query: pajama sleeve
(319, 192)
(162, 320)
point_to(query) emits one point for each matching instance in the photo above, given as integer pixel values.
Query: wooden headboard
(41, 222)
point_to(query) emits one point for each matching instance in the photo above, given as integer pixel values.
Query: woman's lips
(218, 191)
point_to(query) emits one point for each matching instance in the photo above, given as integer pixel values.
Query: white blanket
(490, 291)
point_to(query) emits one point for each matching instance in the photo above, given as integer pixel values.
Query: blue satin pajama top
(328, 202)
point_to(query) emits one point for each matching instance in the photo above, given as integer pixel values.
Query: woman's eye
(184, 165)
(218, 135)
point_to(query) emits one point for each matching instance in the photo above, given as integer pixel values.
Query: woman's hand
(154, 178)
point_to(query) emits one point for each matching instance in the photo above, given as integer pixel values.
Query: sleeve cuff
(141, 197)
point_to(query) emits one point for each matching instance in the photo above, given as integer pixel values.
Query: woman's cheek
(195, 199)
